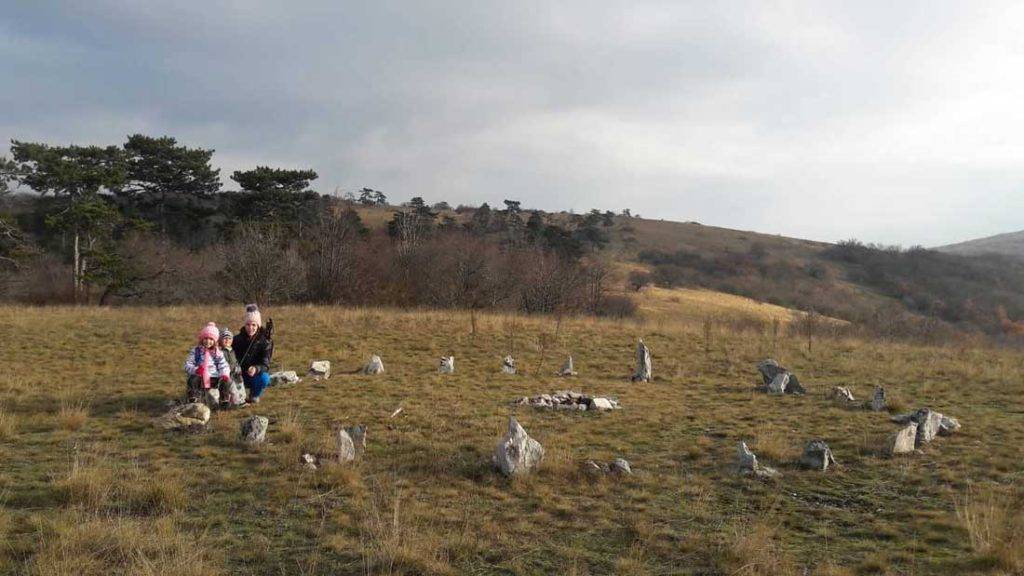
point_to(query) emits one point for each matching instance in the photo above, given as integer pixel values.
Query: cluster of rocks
(569, 400)
(777, 379)
(919, 428)
(844, 396)
(617, 467)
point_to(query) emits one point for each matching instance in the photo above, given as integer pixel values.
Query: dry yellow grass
(424, 499)
(696, 305)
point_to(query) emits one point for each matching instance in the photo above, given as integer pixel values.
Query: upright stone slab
(817, 456)
(903, 440)
(508, 365)
(878, 399)
(447, 365)
(567, 368)
(374, 366)
(794, 386)
(928, 422)
(779, 383)
(769, 369)
(253, 429)
(345, 448)
(643, 363)
(517, 453)
(358, 435)
(747, 463)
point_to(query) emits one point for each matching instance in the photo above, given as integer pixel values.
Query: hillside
(1010, 244)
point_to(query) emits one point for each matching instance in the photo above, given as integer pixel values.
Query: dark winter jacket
(256, 351)
(229, 355)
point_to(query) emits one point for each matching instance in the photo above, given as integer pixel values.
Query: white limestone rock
(643, 363)
(447, 365)
(508, 365)
(374, 366)
(517, 453)
(319, 369)
(253, 430)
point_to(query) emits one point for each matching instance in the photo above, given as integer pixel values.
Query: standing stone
(254, 429)
(878, 400)
(320, 368)
(902, 441)
(508, 365)
(236, 393)
(817, 455)
(374, 366)
(308, 461)
(345, 448)
(447, 365)
(842, 394)
(517, 453)
(927, 426)
(793, 386)
(567, 368)
(779, 383)
(769, 369)
(358, 435)
(748, 464)
(643, 363)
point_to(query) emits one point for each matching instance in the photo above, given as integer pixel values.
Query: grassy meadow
(89, 486)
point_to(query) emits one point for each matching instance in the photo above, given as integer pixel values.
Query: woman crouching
(254, 348)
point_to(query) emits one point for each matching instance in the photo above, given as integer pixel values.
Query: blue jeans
(256, 384)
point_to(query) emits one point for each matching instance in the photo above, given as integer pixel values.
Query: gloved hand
(225, 378)
(201, 370)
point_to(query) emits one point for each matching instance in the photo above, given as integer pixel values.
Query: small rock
(517, 453)
(292, 377)
(308, 461)
(817, 455)
(320, 368)
(842, 394)
(793, 386)
(211, 397)
(447, 365)
(878, 399)
(253, 429)
(643, 363)
(508, 365)
(902, 441)
(185, 416)
(747, 463)
(948, 425)
(620, 466)
(374, 366)
(600, 404)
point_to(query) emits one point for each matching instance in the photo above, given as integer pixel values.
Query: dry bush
(86, 545)
(994, 521)
(72, 415)
(8, 423)
(754, 550)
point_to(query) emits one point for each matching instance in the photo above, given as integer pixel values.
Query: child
(232, 393)
(205, 364)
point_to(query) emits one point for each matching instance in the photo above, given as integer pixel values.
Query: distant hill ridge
(1008, 244)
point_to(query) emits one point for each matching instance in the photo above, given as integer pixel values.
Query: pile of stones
(777, 379)
(919, 428)
(569, 400)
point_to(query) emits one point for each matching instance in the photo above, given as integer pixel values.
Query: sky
(890, 122)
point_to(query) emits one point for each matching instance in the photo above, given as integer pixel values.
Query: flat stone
(600, 404)
(321, 368)
(842, 394)
(292, 377)
(620, 466)
(184, 416)
(948, 426)
(817, 456)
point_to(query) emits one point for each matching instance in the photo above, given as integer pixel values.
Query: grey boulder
(517, 453)
(253, 429)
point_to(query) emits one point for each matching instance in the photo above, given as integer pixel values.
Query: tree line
(149, 221)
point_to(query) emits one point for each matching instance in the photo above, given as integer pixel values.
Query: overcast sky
(896, 122)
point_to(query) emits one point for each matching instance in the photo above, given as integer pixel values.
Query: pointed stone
(517, 453)
(643, 363)
(567, 368)
(779, 383)
(817, 456)
(345, 448)
(447, 365)
(374, 366)
(902, 441)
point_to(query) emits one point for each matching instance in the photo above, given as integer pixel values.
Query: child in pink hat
(205, 364)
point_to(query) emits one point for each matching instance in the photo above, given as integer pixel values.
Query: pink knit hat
(208, 331)
(252, 312)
